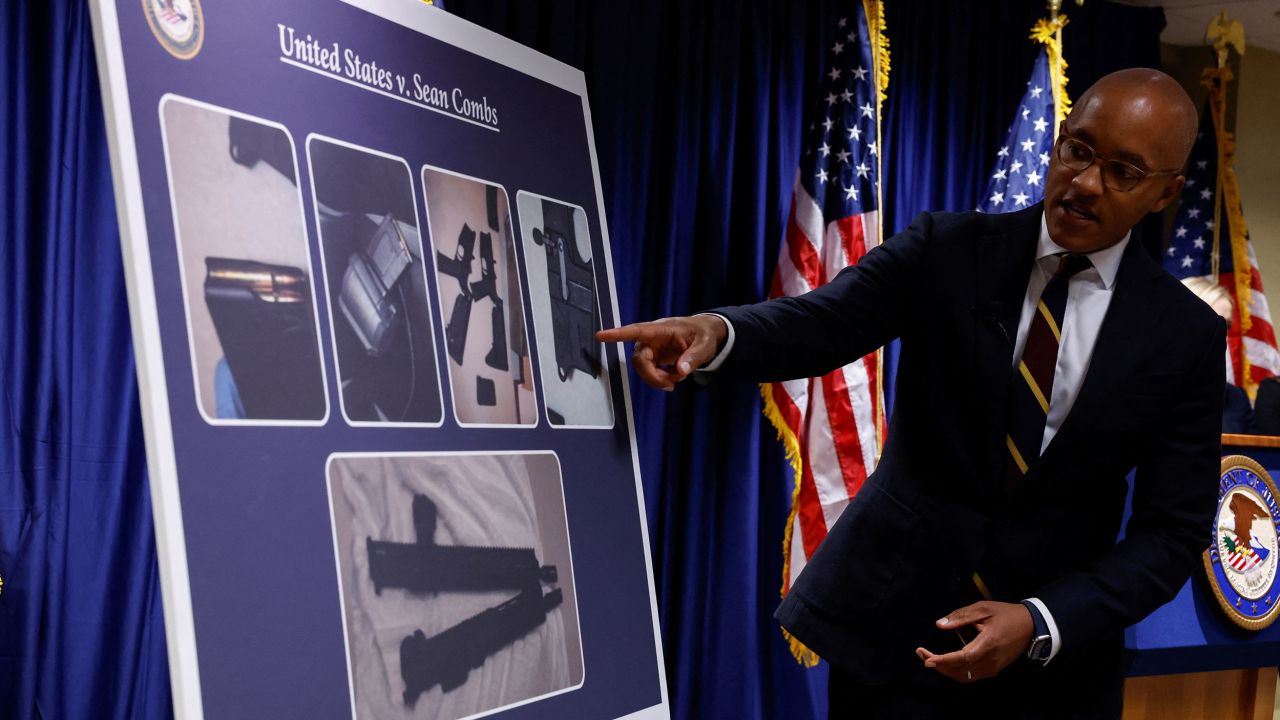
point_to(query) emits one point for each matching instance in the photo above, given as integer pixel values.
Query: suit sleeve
(1174, 494)
(858, 311)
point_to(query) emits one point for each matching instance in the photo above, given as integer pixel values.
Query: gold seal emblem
(177, 24)
(1244, 553)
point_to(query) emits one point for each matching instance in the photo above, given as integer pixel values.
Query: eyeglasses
(1116, 174)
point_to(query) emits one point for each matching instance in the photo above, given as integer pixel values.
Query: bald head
(1150, 92)
(1134, 129)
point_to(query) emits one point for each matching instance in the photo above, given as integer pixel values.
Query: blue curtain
(81, 627)
(697, 110)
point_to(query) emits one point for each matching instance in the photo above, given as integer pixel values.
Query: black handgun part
(459, 268)
(486, 392)
(487, 287)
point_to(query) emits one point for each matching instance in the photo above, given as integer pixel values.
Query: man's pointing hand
(669, 350)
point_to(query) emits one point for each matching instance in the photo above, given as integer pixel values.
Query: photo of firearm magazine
(456, 582)
(245, 266)
(566, 311)
(372, 256)
(478, 278)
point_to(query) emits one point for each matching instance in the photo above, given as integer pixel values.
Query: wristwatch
(1041, 639)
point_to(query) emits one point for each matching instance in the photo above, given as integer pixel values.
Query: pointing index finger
(632, 333)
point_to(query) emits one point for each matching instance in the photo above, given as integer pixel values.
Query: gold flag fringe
(877, 29)
(791, 444)
(1048, 32)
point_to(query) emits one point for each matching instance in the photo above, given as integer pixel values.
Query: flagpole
(1226, 34)
(874, 11)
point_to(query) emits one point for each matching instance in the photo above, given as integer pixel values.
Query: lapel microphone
(989, 313)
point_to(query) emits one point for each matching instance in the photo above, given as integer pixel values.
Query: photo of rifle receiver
(459, 268)
(424, 567)
(446, 659)
(571, 286)
(487, 287)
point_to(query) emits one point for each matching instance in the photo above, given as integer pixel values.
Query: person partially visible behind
(1238, 416)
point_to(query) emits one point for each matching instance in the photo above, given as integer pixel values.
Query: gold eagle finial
(1225, 33)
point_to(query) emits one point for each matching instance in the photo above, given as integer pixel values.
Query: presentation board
(394, 475)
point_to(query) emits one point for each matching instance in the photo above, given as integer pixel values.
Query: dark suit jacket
(935, 510)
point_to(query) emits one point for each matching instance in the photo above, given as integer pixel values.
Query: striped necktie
(1032, 384)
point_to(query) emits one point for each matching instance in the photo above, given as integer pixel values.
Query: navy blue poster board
(247, 140)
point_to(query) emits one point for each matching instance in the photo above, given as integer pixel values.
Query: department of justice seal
(177, 24)
(1242, 559)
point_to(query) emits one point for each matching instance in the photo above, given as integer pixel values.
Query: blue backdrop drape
(697, 111)
(81, 627)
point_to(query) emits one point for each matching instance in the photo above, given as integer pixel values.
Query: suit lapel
(1116, 351)
(1003, 264)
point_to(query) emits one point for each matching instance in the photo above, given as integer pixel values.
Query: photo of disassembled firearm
(423, 567)
(571, 284)
(459, 267)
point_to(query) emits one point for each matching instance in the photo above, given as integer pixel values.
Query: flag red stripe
(844, 430)
(803, 254)
(855, 245)
(775, 287)
(813, 526)
(786, 407)
(872, 363)
(1261, 330)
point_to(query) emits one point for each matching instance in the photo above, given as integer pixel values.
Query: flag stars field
(1015, 182)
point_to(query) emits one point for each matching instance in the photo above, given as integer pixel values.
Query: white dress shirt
(1088, 297)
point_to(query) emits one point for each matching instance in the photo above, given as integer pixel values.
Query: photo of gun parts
(246, 267)
(373, 264)
(456, 581)
(566, 311)
(480, 302)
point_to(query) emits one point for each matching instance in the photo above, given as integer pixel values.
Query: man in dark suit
(1043, 357)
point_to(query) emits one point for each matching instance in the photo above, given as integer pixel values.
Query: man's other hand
(1004, 633)
(669, 350)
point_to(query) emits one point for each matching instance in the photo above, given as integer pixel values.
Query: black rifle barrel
(446, 659)
(428, 568)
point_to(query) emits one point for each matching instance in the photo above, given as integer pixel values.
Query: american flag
(831, 425)
(1017, 180)
(1251, 341)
